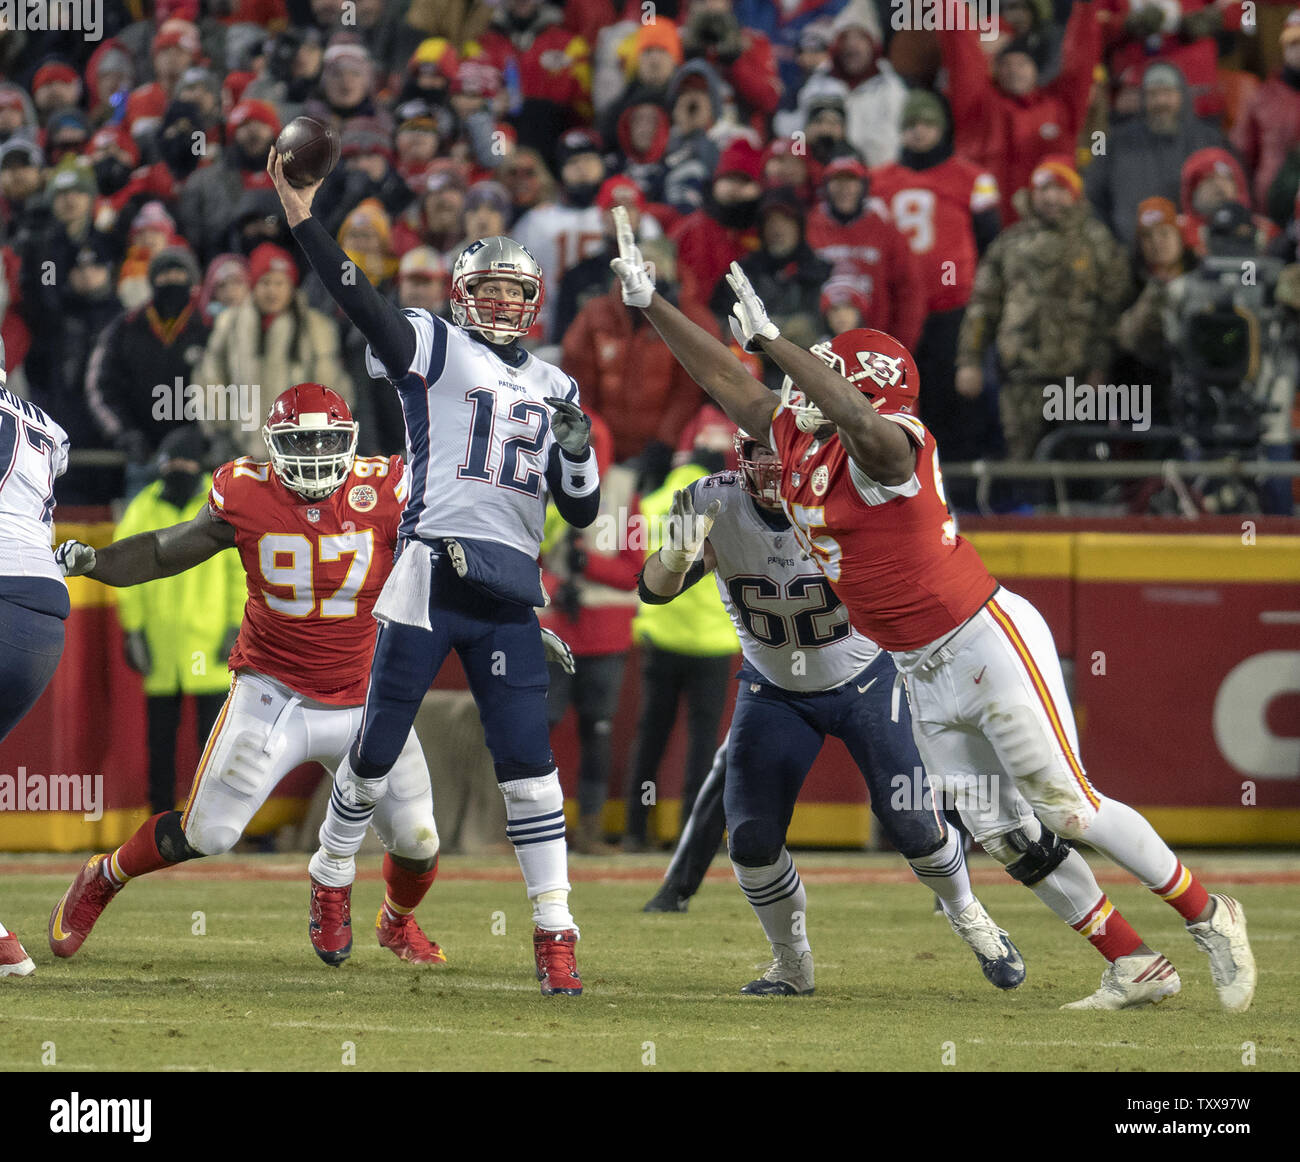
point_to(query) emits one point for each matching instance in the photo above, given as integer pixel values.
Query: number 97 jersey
(314, 569)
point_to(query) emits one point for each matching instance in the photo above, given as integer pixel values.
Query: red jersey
(891, 553)
(873, 256)
(933, 209)
(314, 569)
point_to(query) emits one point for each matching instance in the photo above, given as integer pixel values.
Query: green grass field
(896, 990)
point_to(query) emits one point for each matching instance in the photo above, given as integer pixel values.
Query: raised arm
(389, 332)
(686, 555)
(880, 448)
(748, 403)
(148, 556)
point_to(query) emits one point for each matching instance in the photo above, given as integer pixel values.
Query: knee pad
(754, 843)
(1027, 857)
(170, 839)
(248, 766)
(415, 842)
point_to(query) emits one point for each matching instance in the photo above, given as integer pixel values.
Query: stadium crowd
(1014, 200)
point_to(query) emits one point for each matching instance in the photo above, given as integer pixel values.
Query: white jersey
(33, 452)
(793, 629)
(558, 237)
(478, 437)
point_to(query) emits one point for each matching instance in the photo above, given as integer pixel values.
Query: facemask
(582, 195)
(822, 149)
(178, 487)
(177, 154)
(111, 175)
(736, 215)
(170, 299)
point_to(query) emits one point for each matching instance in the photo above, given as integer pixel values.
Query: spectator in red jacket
(743, 57)
(722, 231)
(628, 375)
(175, 48)
(1210, 179)
(1270, 125)
(547, 67)
(1007, 122)
(591, 576)
(864, 248)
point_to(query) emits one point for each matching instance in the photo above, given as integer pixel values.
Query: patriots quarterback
(33, 596)
(490, 432)
(807, 673)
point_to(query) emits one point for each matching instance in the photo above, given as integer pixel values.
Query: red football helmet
(875, 363)
(760, 470)
(312, 438)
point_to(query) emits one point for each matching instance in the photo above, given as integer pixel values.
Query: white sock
(352, 803)
(1071, 890)
(776, 894)
(944, 872)
(535, 826)
(331, 871)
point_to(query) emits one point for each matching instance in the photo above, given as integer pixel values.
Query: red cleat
(556, 967)
(407, 942)
(75, 915)
(14, 960)
(329, 923)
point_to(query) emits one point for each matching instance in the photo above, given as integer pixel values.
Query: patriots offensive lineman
(861, 483)
(490, 429)
(806, 674)
(33, 596)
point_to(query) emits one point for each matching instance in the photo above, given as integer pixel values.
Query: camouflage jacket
(1049, 296)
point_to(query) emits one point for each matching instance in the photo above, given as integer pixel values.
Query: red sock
(1183, 892)
(405, 888)
(1108, 932)
(138, 855)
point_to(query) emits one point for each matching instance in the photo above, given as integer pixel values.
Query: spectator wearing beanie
(1210, 178)
(1144, 156)
(429, 72)
(1008, 122)
(422, 131)
(347, 82)
(691, 156)
(208, 198)
(46, 265)
(785, 273)
(949, 211)
(110, 76)
(17, 113)
(365, 170)
(1048, 293)
(224, 285)
(152, 231)
(629, 376)
(65, 135)
(861, 245)
(642, 134)
(742, 57)
(487, 214)
(24, 209)
(860, 77)
(437, 219)
(271, 341)
(56, 87)
(785, 164)
(175, 48)
(1270, 124)
(637, 69)
(139, 359)
(724, 229)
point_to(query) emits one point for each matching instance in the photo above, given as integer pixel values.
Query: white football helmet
(496, 257)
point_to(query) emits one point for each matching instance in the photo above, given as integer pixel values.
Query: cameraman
(1234, 348)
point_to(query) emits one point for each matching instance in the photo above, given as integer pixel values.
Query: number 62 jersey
(314, 569)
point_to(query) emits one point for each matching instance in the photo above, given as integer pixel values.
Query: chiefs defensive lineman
(861, 485)
(315, 528)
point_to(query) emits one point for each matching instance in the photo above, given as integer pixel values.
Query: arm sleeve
(389, 332)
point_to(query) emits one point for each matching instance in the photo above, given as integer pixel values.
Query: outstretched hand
(749, 321)
(296, 202)
(635, 274)
(686, 531)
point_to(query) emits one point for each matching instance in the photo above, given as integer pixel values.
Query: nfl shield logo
(313, 515)
(266, 699)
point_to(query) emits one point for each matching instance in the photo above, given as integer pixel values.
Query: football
(308, 151)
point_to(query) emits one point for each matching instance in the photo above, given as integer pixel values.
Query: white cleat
(1133, 981)
(789, 975)
(1000, 960)
(1232, 965)
(14, 960)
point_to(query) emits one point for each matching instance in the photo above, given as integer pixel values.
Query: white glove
(749, 321)
(74, 558)
(636, 275)
(557, 650)
(686, 532)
